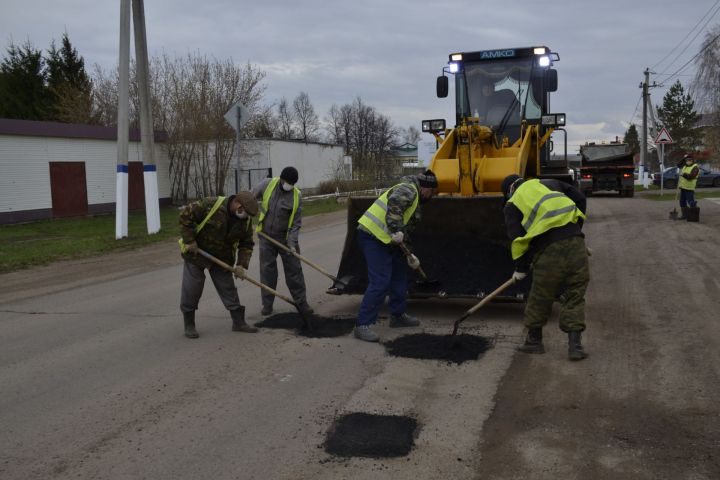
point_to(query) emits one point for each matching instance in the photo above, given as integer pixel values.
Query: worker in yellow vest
(221, 226)
(544, 220)
(687, 181)
(381, 228)
(281, 218)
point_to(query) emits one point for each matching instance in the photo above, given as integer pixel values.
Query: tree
(366, 135)
(305, 117)
(632, 139)
(23, 89)
(679, 117)
(706, 88)
(285, 120)
(410, 135)
(69, 84)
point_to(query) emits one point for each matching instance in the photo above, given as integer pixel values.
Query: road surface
(97, 380)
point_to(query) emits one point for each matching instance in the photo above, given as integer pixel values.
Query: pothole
(451, 348)
(368, 435)
(322, 327)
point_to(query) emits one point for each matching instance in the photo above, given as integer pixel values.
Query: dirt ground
(98, 382)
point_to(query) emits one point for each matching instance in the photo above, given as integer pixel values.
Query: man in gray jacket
(281, 218)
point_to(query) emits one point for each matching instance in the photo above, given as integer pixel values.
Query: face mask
(287, 187)
(241, 215)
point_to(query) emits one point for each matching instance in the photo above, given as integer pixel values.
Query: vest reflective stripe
(543, 210)
(214, 209)
(684, 183)
(265, 204)
(374, 218)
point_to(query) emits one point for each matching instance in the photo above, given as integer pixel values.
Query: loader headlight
(433, 126)
(544, 61)
(454, 68)
(553, 120)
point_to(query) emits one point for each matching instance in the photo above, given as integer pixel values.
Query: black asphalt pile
(374, 436)
(454, 349)
(322, 327)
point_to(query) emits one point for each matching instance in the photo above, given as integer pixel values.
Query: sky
(389, 52)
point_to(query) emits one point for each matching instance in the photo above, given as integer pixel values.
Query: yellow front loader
(502, 127)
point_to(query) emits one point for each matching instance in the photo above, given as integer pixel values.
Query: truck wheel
(630, 193)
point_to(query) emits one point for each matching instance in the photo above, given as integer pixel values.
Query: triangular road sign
(663, 136)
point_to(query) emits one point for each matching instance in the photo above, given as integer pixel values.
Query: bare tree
(410, 135)
(706, 88)
(285, 120)
(366, 135)
(190, 96)
(306, 118)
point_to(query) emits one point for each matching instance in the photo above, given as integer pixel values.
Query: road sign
(663, 136)
(237, 116)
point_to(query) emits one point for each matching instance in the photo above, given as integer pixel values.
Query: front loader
(502, 127)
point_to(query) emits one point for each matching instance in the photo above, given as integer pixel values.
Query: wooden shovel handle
(408, 253)
(297, 255)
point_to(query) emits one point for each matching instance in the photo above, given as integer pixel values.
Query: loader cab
(501, 88)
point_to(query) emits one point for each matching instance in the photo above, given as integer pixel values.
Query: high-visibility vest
(265, 204)
(542, 209)
(684, 183)
(374, 218)
(200, 226)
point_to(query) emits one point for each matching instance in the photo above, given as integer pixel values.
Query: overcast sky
(389, 51)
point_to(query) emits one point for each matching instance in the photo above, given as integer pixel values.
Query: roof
(32, 128)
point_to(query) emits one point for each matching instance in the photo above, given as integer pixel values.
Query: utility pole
(121, 184)
(643, 135)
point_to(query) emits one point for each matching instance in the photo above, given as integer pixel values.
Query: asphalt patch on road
(374, 436)
(322, 327)
(451, 348)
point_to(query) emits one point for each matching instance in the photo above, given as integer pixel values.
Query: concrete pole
(643, 135)
(121, 185)
(152, 203)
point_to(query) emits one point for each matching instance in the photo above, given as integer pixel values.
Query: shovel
(482, 302)
(426, 281)
(341, 283)
(227, 267)
(674, 213)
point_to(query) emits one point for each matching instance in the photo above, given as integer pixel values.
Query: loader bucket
(460, 241)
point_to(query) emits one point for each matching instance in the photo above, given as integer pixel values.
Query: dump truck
(503, 126)
(607, 166)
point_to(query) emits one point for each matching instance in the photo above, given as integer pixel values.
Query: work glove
(517, 276)
(397, 237)
(589, 251)
(191, 247)
(413, 261)
(239, 272)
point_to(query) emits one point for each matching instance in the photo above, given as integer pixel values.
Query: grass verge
(46, 241)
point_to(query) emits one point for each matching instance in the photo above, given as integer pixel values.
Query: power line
(692, 58)
(632, 117)
(686, 36)
(699, 31)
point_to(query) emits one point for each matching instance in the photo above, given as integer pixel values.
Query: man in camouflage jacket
(381, 229)
(223, 228)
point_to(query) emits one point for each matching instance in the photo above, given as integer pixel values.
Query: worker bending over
(281, 219)
(380, 231)
(222, 227)
(544, 220)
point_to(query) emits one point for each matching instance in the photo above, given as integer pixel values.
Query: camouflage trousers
(561, 271)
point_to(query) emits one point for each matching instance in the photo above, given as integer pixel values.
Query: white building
(52, 170)
(315, 162)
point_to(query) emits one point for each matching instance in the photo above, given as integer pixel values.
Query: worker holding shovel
(281, 218)
(382, 230)
(221, 226)
(544, 220)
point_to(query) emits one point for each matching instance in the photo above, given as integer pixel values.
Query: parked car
(670, 178)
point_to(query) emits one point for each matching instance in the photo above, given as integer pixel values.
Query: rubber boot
(575, 348)
(238, 319)
(533, 342)
(189, 318)
(684, 213)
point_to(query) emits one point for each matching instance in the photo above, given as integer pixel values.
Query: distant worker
(544, 220)
(222, 227)
(281, 219)
(381, 229)
(687, 181)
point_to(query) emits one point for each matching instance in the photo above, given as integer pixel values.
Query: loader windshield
(497, 92)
